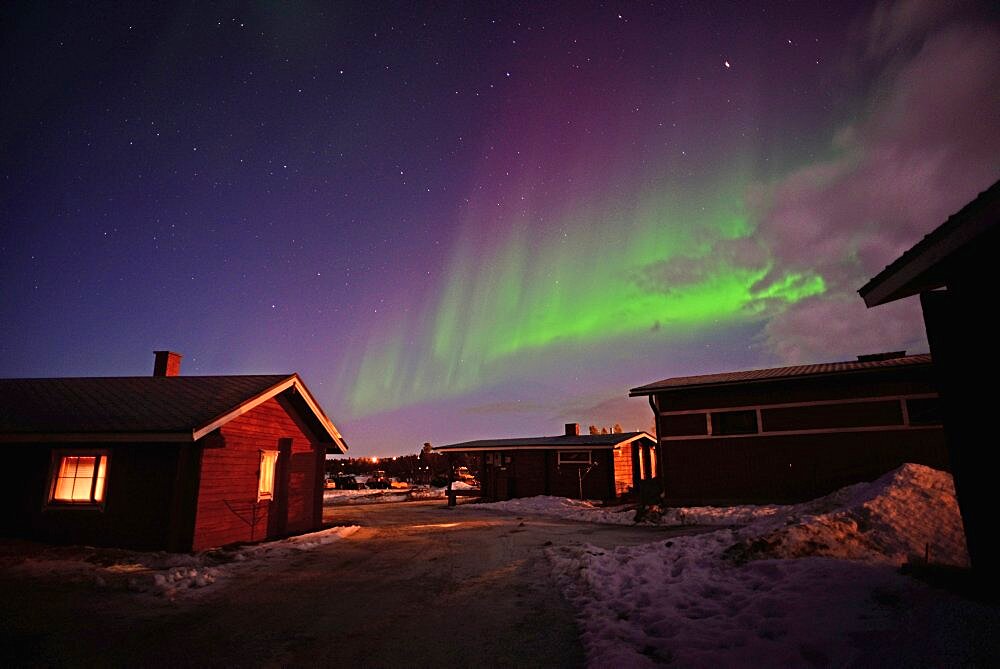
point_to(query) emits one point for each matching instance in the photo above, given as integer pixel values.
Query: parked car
(465, 476)
(344, 482)
(379, 481)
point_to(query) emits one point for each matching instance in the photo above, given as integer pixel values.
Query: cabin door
(277, 523)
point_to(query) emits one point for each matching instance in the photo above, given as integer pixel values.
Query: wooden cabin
(794, 433)
(593, 466)
(166, 462)
(951, 269)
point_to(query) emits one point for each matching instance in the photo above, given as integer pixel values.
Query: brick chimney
(167, 363)
(572, 429)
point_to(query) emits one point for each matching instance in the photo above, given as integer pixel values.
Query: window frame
(93, 503)
(917, 410)
(560, 461)
(721, 429)
(265, 456)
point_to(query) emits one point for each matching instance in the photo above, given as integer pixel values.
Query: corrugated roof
(821, 369)
(133, 404)
(559, 441)
(918, 269)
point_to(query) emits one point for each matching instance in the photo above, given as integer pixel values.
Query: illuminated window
(79, 479)
(268, 461)
(574, 457)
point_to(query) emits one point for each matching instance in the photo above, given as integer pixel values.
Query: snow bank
(731, 596)
(908, 514)
(167, 575)
(340, 497)
(365, 496)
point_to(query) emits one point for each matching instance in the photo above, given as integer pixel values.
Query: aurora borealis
(462, 222)
(584, 280)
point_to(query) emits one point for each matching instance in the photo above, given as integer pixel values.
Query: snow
(168, 575)
(563, 507)
(798, 584)
(366, 496)
(389, 495)
(904, 514)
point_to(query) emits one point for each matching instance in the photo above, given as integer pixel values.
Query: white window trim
(268, 460)
(590, 458)
(761, 432)
(55, 466)
(788, 405)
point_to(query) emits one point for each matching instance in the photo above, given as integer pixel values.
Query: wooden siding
(786, 468)
(228, 510)
(527, 473)
(827, 432)
(623, 469)
(138, 497)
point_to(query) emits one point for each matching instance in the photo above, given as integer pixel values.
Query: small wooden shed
(593, 466)
(792, 433)
(165, 462)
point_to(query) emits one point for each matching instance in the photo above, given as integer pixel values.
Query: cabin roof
(928, 263)
(798, 371)
(143, 408)
(559, 442)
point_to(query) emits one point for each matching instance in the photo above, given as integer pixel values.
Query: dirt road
(419, 585)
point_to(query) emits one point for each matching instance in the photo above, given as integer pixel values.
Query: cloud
(823, 330)
(897, 22)
(929, 144)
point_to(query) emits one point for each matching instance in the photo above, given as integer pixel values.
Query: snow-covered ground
(735, 596)
(389, 495)
(162, 574)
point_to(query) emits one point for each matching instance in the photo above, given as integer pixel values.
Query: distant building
(953, 270)
(163, 462)
(600, 466)
(793, 433)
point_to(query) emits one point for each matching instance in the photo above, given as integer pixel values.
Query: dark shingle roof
(821, 369)
(137, 404)
(559, 441)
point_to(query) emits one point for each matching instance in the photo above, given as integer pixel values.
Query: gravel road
(419, 585)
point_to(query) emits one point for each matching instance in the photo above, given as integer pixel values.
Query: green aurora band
(595, 276)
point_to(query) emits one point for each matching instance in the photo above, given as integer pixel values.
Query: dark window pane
(734, 422)
(574, 458)
(683, 425)
(833, 416)
(926, 411)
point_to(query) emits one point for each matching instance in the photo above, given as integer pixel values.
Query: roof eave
(292, 381)
(650, 390)
(458, 448)
(910, 273)
(96, 437)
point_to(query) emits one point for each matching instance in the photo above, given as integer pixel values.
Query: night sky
(477, 220)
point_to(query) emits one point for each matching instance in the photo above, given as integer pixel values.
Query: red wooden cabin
(794, 433)
(165, 462)
(602, 466)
